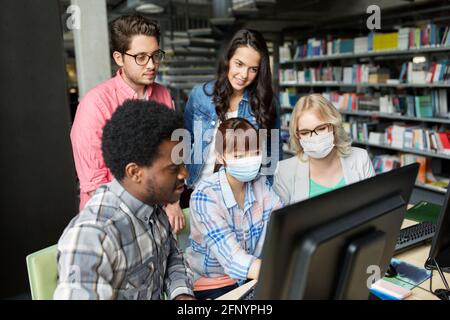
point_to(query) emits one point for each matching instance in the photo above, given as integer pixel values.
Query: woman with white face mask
(229, 213)
(325, 159)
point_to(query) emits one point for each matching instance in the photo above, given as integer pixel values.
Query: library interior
(366, 219)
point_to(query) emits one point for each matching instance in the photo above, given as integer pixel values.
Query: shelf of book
(393, 116)
(368, 54)
(339, 72)
(366, 85)
(405, 150)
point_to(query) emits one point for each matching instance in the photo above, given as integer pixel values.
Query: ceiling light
(419, 59)
(149, 8)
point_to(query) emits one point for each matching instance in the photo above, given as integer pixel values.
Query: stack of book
(406, 159)
(359, 131)
(424, 106)
(357, 73)
(378, 75)
(384, 41)
(385, 163)
(361, 45)
(413, 137)
(417, 73)
(430, 35)
(435, 104)
(288, 76)
(285, 53)
(289, 97)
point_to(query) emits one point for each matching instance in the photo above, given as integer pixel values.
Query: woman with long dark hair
(243, 88)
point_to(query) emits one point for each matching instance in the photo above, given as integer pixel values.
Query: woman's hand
(176, 217)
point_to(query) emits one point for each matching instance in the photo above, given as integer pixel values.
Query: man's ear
(133, 172)
(118, 58)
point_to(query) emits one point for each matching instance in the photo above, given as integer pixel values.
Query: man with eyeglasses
(135, 49)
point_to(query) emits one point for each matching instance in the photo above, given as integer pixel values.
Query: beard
(139, 79)
(155, 195)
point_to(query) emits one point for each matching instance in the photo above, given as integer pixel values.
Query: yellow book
(377, 38)
(390, 41)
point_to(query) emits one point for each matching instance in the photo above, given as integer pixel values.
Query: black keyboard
(414, 236)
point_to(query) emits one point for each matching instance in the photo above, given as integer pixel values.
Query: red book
(411, 39)
(353, 101)
(445, 140)
(431, 72)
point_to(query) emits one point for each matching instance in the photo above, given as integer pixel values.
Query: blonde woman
(325, 159)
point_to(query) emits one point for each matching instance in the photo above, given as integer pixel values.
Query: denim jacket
(200, 119)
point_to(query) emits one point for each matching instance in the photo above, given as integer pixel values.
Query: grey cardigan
(292, 176)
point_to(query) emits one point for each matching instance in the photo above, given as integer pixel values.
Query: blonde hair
(326, 112)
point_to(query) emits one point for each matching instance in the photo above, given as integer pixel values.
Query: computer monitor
(328, 247)
(440, 247)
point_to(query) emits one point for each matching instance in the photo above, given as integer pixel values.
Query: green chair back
(43, 273)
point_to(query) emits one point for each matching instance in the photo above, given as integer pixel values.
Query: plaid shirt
(225, 240)
(120, 248)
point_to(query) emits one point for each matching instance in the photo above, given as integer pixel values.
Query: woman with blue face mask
(325, 159)
(229, 212)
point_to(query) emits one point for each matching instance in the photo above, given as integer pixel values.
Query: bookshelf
(406, 150)
(393, 116)
(385, 53)
(417, 184)
(419, 72)
(431, 188)
(367, 85)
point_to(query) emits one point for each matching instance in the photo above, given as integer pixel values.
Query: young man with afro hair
(120, 246)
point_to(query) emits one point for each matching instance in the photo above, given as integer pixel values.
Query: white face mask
(319, 146)
(244, 169)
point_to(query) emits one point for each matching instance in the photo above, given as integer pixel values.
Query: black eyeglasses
(142, 59)
(321, 129)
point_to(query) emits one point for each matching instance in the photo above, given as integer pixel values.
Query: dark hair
(135, 132)
(125, 27)
(227, 140)
(261, 92)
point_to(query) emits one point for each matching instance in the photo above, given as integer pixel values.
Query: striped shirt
(226, 239)
(120, 248)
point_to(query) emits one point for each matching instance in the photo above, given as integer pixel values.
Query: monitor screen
(327, 247)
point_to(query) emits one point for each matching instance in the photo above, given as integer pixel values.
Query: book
(408, 276)
(424, 211)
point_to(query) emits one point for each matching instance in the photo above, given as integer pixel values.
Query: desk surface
(415, 256)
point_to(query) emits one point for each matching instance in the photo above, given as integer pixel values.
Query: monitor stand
(443, 294)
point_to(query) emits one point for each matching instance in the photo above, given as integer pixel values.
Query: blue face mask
(244, 169)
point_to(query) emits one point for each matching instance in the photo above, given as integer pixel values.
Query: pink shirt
(97, 107)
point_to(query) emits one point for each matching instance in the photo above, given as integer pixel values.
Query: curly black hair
(135, 132)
